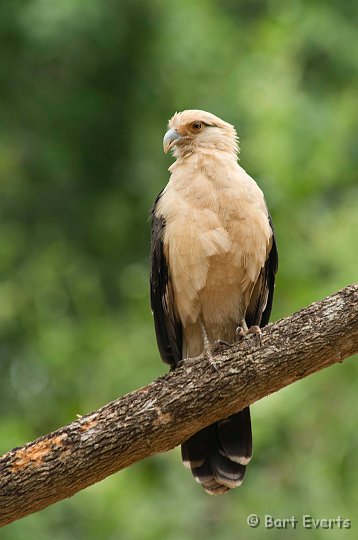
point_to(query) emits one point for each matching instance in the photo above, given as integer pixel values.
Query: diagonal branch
(161, 415)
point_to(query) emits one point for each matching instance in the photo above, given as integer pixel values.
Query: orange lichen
(88, 424)
(35, 454)
(162, 418)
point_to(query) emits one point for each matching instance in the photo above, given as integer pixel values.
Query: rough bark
(161, 415)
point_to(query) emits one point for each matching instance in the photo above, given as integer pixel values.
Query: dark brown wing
(168, 327)
(259, 309)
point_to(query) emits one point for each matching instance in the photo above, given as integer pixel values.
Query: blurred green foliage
(86, 88)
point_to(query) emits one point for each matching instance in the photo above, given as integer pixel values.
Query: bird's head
(194, 130)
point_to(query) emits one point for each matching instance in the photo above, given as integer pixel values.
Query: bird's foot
(208, 348)
(179, 364)
(201, 356)
(242, 331)
(220, 345)
(212, 362)
(208, 354)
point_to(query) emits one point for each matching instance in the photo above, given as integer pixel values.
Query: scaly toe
(209, 356)
(214, 366)
(178, 364)
(256, 330)
(240, 333)
(219, 346)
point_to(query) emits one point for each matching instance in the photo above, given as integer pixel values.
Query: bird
(213, 264)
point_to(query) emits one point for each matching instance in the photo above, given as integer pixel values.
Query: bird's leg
(207, 347)
(243, 331)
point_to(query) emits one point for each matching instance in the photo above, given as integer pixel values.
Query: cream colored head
(194, 130)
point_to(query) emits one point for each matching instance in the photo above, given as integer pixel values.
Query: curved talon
(240, 333)
(179, 364)
(256, 330)
(207, 346)
(220, 345)
(243, 331)
(214, 366)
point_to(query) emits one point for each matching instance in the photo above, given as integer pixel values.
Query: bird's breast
(215, 242)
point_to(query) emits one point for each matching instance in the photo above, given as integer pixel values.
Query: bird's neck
(204, 161)
(200, 175)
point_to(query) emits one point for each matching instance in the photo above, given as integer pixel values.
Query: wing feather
(168, 327)
(259, 309)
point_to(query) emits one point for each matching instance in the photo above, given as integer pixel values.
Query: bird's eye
(196, 126)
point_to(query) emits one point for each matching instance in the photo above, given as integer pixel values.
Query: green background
(86, 89)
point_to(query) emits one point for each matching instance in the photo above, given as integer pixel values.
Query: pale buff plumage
(217, 234)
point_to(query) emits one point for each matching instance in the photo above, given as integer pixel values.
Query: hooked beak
(170, 139)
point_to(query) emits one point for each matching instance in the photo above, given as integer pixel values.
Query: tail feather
(205, 476)
(218, 454)
(236, 438)
(195, 451)
(228, 473)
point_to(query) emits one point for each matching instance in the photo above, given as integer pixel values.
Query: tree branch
(161, 415)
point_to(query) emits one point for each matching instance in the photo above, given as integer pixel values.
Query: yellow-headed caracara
(213, 265)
